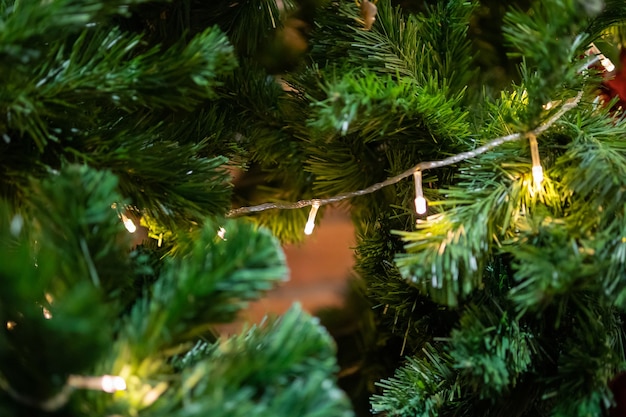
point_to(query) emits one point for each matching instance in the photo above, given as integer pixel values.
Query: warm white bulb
(607, 64)
(310, 224)
(129, 224)
(538, 175)
(221, 232)
(112, 383)
(420, 205)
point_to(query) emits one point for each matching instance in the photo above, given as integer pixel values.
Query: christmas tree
(479, 147)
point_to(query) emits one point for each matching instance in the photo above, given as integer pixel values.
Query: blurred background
(320, 266)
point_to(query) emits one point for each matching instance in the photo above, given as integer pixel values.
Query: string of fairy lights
(416, 172)
(113, 383)
(421, 204)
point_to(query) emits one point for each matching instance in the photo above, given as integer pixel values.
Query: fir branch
(25, 24)
(107, 67)
(422, 166)
(285, 368)
(207, 281)
(70, 218)
(548, 40)
(490, 350)
(424, 386)
(414, 46)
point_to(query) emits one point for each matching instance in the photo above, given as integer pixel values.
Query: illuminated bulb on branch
(538, 175)
(420, 205)
(534, 154)
(310, 224)
(604, 61)
(129, 224)
(106, 383)
(46, 313)
(420, 201)
(112, 383)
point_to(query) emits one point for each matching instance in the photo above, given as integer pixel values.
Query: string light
(129, 224)
(310, 224)
(420, 201)
(422, 166)
(106, 383)
(606, 63)
(46, 313)
(221, 232)
(112, 383)
(534, 154)
(11, 325)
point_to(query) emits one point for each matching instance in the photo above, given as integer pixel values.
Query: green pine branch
(107, 68)
(423, 387)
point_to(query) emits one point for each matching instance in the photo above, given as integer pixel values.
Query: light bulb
(129, 224)
(113, 383)
(420, 201)
(537, 170)
(106, 383)
(310, 224)
(537, 175)
(420, 205)
(606, 63)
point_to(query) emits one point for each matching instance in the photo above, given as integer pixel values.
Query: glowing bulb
(310, 224)
(420, 201)
(538, 175)
(129, 224)
(537, 170)
(113, 383)
(46, 313)
(221, 233)
(420, 205)
(106, 383)
(607, 64)
(11, 325)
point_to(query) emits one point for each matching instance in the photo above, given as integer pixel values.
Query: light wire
(422, 166)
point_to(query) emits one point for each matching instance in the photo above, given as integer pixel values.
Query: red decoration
(614, 86)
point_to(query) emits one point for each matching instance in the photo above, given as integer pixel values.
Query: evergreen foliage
(506, 299)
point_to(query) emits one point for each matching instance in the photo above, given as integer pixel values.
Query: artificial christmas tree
(502, 295)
